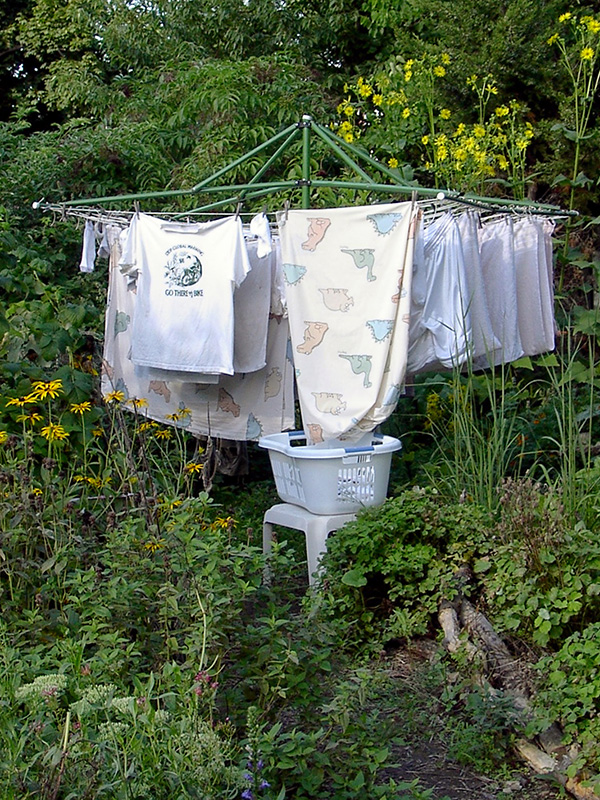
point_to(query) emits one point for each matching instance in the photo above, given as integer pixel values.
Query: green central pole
(306, 123)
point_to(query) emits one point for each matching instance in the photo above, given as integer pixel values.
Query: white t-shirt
(186, 274)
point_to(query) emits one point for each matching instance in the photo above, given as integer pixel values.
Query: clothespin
(238, 209)
(286, 208)
(136, 208)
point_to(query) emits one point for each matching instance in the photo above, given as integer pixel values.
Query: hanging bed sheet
(347, 273)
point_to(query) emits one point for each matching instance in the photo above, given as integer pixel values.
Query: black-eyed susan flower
(54, 433)
(32, 418)
(45, 389)
(115, 397)
(163, 433)
(81, 408)
(193, 467)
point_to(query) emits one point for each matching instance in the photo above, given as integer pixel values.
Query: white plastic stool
(316, 527)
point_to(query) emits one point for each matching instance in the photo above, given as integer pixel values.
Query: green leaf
(482, 565)
(354, 577)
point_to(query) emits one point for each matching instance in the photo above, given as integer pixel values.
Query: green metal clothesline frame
(349, 154)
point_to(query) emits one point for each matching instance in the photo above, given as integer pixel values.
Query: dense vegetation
(141, 654)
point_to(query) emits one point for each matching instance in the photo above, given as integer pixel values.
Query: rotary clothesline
(350, 155)
(350, 348)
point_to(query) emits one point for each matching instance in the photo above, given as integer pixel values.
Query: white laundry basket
(329, 479)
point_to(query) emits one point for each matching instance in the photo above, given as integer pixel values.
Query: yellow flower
(409, 64)
(529, 130)
(81, 408)
(393, 163)
(53, 432)
(163, 433)
(479, 131)
(377, 99)
(193, 467)
(345, 126)
(115, 397)
(460, 154)
(44, 389)
(502, 111)
(3, 437)
(446, 59)
(586, 54)
(32, 418)
(593, 25)
(224, 522)
(439, 72)
(445, 113)
(502, 162)
(442, 152)
(174, 417)
(78, 478)
(349, 137)
(349, 110)
(138, 402)
(425, 139)
(145, 426)
(492, 89)
(565, 17)
(21, 401)
(553, 38)
(460, 130)
(407, 75)
(155, 545)
(97, 432)
(365, 90)
(522, 143)
(185, 412)
(37, 491)
(406, 112)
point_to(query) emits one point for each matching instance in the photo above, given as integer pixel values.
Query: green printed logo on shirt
(183, 267)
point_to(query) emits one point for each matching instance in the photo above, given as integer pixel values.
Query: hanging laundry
(242, 407)
(185, 276)
(88, 248)
(497, 248)
(347, 273)
(440, 325)
(476, 300)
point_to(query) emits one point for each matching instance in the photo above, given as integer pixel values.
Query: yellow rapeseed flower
(54, 433)
(586, 54)
(502, 111)
(502, 162)
(81, 408)
(44, 389)
(553, 38)
(565, 17)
